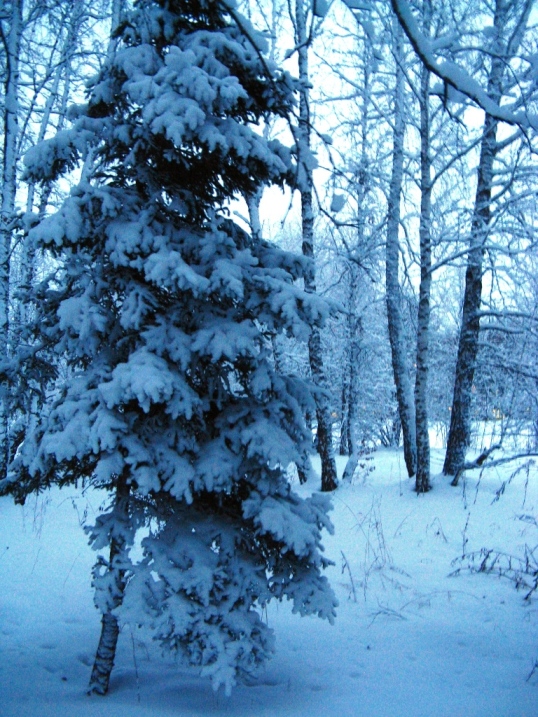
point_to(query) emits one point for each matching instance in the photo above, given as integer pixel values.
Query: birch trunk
(106, 649)
(422, 481)
(344, 448)
(402, 381)
(117, 11)
(7, 210)
(353, 392)
(324, 431)
(460, 419)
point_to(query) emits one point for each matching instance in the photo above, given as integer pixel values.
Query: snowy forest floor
(409, 640)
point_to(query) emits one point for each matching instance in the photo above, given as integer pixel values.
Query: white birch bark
(460, 419)
(355, 335)
(7, 208)
(401, 371)
(116, 582)
(422, 480)
(118, 7)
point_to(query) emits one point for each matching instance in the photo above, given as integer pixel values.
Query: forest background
(422, 218)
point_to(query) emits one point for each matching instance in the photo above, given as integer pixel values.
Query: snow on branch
(453, 75)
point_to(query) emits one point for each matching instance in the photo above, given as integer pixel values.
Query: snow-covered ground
(409, 640)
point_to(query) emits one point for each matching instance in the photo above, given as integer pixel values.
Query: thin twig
(345, 564)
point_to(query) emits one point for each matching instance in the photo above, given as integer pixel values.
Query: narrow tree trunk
(115, 586)
(345, 438)
(324, 431)
(353, 397)
(395, 430)
(351, 465)
(349, 370)
(323, 414)
(422, 481)
(402, 381)
(354, 452)
(253, 205)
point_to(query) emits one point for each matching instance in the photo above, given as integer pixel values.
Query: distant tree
(162, 310)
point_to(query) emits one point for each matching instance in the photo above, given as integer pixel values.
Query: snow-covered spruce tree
(162, 310)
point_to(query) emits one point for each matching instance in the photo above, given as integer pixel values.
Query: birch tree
(305, 183)
(422, 483)
(401, 370)
(11, 33)
(509, 25)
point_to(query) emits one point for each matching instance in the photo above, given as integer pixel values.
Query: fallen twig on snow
(477, 463)
(495, 562)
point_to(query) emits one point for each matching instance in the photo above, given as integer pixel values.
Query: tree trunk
(329, 480)
(106, 653)
(115, 586)
(422, 481)
(324, 431)
(355, 332)
(7, 209)
(117, 11)
(344, 448)
(402, 381)
(460, 419)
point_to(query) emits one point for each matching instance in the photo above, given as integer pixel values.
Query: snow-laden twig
(388, 611)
